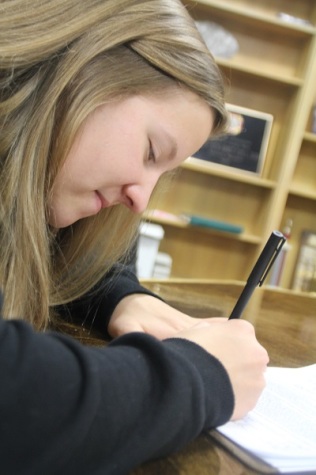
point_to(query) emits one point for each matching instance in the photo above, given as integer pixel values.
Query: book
(203, 222)
(305, 270)
(185, 219)
(279, 434)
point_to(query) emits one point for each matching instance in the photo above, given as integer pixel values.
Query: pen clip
(273, 258)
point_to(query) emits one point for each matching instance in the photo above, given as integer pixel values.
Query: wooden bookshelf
(274, 72)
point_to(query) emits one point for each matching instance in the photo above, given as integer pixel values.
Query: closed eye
(151, 154)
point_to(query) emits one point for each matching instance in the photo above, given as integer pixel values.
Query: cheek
(86, 155)
(96, 160)
(79, 168)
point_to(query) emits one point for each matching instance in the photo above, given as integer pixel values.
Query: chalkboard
(245, 145)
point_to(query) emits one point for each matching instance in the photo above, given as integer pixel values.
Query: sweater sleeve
(96, 307)
(70, 409)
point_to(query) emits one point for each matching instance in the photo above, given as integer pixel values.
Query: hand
(234, 344)
(144, 313)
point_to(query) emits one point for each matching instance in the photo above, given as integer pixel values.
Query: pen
(260, 271)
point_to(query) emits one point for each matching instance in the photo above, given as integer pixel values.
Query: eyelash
(151, 153)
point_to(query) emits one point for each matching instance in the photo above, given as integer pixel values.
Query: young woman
(99, 100)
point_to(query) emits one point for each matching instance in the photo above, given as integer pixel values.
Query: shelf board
(309, 137)
(302, 193)
(233, 65)
(243, 237)
(259, 16)
(225, 173)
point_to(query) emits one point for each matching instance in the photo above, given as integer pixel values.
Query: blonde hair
(59, 62)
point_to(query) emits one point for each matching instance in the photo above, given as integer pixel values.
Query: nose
(137, 195)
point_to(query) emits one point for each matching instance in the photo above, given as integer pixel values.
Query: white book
(279, 435)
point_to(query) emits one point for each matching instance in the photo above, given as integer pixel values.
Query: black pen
(260, 271)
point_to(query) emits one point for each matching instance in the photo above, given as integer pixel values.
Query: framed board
(245, 145)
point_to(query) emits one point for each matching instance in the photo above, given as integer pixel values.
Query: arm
(119, 304)
(66, 408)
(222, 338)
(96, 308)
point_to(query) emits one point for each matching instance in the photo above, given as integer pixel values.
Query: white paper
(281, 429)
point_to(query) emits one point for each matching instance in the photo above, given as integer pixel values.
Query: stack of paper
(281, 430)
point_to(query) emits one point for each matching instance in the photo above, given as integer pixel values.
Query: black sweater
(68, 409)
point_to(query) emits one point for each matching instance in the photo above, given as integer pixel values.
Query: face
(121, 151)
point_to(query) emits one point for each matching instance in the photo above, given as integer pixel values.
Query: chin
(60, 219)
(60, 222)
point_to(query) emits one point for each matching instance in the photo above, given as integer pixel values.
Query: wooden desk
(285, 324)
